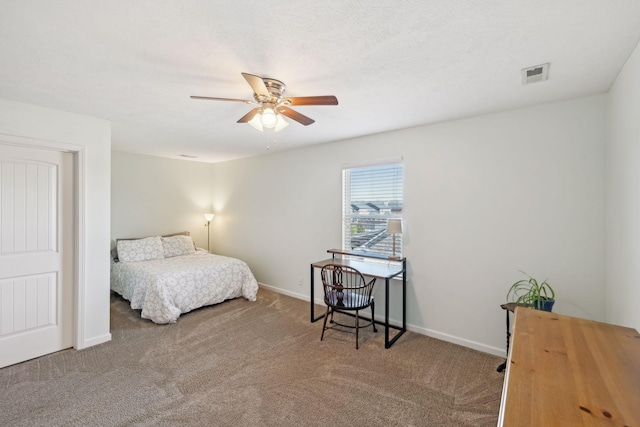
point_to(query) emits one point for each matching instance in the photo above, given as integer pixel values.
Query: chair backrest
(345, 287)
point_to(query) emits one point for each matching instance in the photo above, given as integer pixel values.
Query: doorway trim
(79, 247)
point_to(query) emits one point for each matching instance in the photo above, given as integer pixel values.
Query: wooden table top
(566, 371)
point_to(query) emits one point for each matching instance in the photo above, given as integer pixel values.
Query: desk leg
(313, 318)
(503, 366)
(389, 342)
(386, 314)
(404, 296)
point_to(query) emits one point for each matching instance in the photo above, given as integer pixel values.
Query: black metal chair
(346, 290)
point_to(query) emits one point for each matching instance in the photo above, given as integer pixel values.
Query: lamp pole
(209, 235)
(208, 217)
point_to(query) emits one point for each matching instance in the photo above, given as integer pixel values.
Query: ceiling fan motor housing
(276, 89)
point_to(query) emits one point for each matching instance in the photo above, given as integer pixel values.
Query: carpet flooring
(242, 363)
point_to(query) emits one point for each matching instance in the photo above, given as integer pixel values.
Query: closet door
(36, 252)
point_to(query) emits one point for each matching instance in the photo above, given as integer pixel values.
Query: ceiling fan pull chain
(275, 141)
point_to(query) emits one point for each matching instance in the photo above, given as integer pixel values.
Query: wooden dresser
(565, 371)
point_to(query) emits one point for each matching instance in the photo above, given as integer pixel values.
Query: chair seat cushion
(347, 300)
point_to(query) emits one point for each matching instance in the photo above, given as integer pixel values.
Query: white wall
(24, 120)
(623, 196)
(155, 196)
(484, 198)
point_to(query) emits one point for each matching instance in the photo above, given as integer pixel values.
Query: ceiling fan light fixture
(269, 118)
(270, 104)
(256, 122)
(280, 123)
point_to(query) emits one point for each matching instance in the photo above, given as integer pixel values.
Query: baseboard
(287, 293)
(94, 341)
(419, 330)
(457, 340)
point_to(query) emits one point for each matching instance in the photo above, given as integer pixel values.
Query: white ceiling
(392, 64)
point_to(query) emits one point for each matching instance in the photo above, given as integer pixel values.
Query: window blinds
(371, 196)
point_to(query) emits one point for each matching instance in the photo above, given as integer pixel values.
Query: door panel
(36, 252)
(28, 200)
(28, 302)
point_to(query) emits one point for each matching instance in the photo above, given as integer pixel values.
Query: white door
(36, 252)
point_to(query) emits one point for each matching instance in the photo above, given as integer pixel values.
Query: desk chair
(346, 290)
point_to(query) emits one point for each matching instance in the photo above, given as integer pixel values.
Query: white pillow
(140, 250)
(178, 245)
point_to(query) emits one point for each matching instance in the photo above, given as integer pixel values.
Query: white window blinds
(372, 195)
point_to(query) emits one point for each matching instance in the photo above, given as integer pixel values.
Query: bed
(165, 276)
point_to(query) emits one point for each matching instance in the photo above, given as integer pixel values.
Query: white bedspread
(166, 288)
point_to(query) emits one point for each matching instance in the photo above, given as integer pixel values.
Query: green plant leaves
(530, 292)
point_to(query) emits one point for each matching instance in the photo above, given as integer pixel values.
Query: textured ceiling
(392, 64)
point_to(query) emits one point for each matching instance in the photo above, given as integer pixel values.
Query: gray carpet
(251, 364)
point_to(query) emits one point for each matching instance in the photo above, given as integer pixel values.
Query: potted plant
(529, 292)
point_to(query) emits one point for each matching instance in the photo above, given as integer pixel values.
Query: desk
(387, 272)
(566, 371)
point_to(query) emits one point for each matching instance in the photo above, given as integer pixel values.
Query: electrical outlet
(300, 282)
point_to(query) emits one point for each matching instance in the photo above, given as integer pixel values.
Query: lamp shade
(394, 226)
(268, 118)
(208, 216)
(256, 122)
(280, 123)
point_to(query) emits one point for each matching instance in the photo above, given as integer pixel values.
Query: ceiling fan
(268, 95)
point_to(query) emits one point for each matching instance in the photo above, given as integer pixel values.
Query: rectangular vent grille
(535, 74)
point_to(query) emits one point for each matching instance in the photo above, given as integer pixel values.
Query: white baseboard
(285, 292)
(457, 340)
(419, 330)
(94, 341)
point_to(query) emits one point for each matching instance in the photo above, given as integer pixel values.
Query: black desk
(392, 268)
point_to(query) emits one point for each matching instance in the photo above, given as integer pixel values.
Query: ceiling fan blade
(222, 99)
(249, 115)
(313, 100)
(292, 114)
(256, 83)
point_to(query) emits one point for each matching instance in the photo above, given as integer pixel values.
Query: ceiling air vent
(535, 74)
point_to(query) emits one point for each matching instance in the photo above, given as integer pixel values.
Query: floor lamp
(208, 217)
(394, 226)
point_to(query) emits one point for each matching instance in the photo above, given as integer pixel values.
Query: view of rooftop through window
(371, 196)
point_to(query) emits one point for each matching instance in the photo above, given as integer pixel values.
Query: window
(372, 195)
